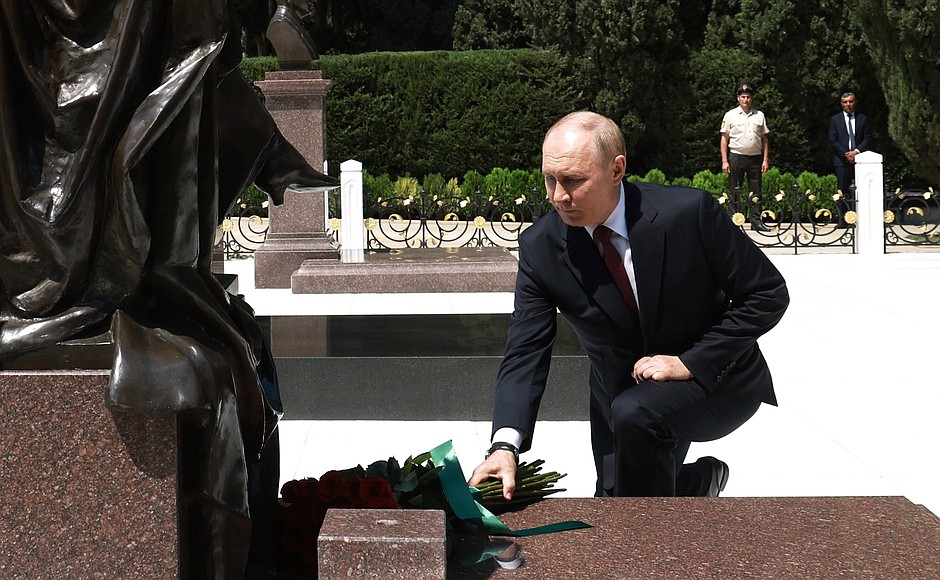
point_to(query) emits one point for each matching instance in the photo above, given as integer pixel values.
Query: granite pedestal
(382, 544)
(411, 270)
(86, 492)
(767, 538)
(297, 230)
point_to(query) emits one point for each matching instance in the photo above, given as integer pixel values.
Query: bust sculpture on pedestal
(292, 43)
(126, 131)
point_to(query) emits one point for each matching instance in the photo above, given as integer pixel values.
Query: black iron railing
(787, 220)
(795, 219)
(912, 218)
(244, 229)
(429, 221)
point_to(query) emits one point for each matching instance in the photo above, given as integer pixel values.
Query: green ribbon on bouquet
(460, 498)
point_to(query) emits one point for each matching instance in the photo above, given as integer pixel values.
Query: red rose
(331, 487)
(299, 490)
(373, 488)
(381, 503)
(351, 492)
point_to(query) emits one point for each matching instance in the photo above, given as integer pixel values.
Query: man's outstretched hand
(501, 465)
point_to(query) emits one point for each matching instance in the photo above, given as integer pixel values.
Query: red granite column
(297, 229)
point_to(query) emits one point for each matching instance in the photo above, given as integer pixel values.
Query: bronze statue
(126, 131)
(292, 42)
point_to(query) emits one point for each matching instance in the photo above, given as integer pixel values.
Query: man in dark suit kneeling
(668, 299)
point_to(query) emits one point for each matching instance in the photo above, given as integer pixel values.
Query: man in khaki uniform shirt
(745, 148)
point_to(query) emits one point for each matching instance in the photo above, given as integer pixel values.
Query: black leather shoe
(719, 472)
(759, 226)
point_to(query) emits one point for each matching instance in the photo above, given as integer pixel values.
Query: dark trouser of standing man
(749, 165)
(845, 174)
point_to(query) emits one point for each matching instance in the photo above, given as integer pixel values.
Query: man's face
(582, 190)
(746, 100)
(848, 104)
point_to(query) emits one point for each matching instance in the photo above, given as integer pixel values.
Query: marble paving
(854, 362)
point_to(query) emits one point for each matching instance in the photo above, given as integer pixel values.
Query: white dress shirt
(850, 127)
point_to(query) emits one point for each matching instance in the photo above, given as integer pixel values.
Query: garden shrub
(714, 183)
(655, 176)
(472, 185)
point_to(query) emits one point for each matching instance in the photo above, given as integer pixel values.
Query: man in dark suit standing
(667, 298)
(848, 136)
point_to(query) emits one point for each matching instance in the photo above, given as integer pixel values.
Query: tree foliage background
(665, 70)
(902, 39)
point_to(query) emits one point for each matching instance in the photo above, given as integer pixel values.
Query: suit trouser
(641, 441)
(845, 176)
(749, 165)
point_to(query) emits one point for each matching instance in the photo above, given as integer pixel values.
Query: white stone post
(352, 231)
(326, 199)
(870, 199)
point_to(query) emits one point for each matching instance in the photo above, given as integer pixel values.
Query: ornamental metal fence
(422, 220)
(912, 218)
(793, 220)
(244, 229)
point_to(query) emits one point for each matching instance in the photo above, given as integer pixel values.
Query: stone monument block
(298, 227)
(86, 492)
(411, 270)
(357, 543)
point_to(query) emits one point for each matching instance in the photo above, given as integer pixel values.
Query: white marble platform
(854, 361)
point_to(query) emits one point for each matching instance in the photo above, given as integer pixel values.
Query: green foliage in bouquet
(415, 484)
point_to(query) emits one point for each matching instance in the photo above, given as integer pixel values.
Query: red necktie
(614, 262)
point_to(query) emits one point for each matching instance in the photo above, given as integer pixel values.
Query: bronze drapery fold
(126, 131)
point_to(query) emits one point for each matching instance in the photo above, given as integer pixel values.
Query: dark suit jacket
(839, 136)
(705, 291)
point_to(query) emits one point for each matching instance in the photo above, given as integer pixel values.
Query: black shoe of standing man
(759, 226)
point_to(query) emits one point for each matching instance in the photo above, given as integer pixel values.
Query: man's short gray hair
(607, 138)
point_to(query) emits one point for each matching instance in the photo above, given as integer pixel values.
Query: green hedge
(452, 117)
(422, 113)
(517, 192)
(522, 193)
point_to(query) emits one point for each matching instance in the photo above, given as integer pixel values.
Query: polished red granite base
(382, 543)
(411, 270)
(84, 493)
(786, 538)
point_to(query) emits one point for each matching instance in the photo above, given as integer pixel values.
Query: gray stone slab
(418, 388)
(414, 367)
